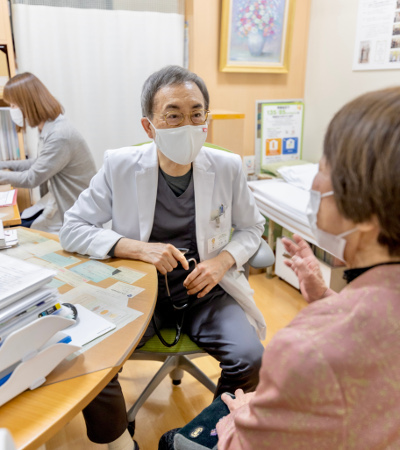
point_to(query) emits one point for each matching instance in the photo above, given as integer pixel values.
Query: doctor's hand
(164, 256)
(235, 403)
(208, 274)
(305, 265)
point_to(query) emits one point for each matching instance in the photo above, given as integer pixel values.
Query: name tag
(218, 241)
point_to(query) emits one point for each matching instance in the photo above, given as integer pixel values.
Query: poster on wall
(279, 131)
(378, 35)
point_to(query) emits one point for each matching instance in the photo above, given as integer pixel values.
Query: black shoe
(136, 445)
(131, 427)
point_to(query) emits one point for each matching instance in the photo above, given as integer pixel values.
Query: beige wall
(239, 91)
(330, 80)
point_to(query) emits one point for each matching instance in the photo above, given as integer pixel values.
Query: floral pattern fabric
(331, 379)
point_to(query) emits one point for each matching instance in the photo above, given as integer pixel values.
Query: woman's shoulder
(59, 128)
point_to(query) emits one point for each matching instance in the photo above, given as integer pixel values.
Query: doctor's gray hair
(168, 76)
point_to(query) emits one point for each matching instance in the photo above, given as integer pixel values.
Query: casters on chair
(176, 382)
(131, 427)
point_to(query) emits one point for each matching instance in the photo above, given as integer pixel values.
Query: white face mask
(182, 144)
(17, 117)
(334, 244)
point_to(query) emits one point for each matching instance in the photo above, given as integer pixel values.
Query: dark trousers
(219, 326)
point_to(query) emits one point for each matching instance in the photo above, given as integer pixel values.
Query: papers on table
(127, 275)
(88, 327)
(103, 303)
(125, 289)
(8, 237)
(41, 303)
(8, 198)
(108, 304)
(94, 271)
(19, 278)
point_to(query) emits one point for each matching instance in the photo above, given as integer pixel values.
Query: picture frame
(256, 35)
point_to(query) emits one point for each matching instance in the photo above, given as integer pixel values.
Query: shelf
(220, 114)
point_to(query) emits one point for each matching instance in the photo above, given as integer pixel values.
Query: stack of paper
(8, 198)
(23, 297)
(8, 237)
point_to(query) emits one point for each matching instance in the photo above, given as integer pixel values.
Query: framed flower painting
(256, 35)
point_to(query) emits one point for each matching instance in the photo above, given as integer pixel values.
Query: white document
(128, 275)
(89, 326)
(19, 278)
(6, 198)
(128, 291)
(105, 304)
(62, 273)
(43, 248)
(26, 236)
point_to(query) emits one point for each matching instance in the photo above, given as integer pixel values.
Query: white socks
(124, 442)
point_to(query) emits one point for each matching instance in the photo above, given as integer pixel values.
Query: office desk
(10, 215)
(35, 416)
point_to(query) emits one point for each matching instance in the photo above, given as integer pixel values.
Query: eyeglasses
(197, 117)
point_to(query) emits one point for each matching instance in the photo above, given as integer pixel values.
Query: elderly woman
(64, 164)
(331, 379)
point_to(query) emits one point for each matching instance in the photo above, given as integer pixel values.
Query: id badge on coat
(218, 241)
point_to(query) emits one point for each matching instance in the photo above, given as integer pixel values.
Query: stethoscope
(179, 324)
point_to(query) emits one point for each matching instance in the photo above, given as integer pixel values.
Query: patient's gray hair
(167, 76)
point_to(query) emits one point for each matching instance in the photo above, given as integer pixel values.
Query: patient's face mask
(17, 117)
(334, 244)
(182, 144)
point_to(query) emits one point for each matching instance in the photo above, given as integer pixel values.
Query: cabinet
(226, 129)
(7, 69)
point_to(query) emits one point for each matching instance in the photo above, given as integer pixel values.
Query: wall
(330, 81)
(239, 91)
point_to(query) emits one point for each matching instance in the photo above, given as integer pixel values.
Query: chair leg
(169, 365)
(186, 364)
(176, 376)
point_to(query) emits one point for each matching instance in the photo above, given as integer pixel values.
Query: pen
(50, 310)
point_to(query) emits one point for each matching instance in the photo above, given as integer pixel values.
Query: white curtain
(94, 61)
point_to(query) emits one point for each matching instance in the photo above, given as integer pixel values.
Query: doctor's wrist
(129, 248)
(226, 260)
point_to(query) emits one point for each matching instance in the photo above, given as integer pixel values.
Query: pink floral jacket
(331, 379)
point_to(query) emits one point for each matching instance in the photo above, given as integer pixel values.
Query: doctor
(164, 196)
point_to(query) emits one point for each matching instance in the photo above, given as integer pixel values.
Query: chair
(178, 358)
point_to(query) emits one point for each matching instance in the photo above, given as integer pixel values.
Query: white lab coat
(125, 189)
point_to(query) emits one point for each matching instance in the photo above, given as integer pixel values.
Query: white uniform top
(125, 189)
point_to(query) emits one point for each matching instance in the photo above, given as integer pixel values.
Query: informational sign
(378, 35)
(280, 130)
